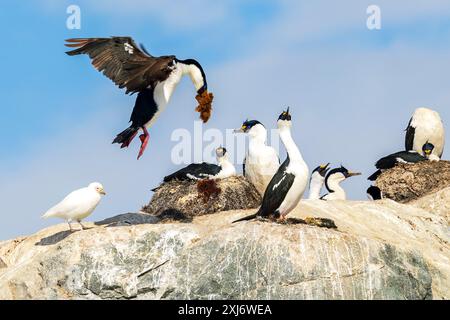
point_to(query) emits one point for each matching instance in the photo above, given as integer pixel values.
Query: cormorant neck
(223, 160)
(315, 186)
(257, 136)
(227, 168)
(335, 189)
(289, 144)
(196, 74)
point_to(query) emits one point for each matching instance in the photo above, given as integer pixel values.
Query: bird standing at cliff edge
(78, 205)
(289, 183)
(154, 79)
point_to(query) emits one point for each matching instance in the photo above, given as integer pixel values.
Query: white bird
(425, 127)
(78, 205)
(261, 161)
(290, 181)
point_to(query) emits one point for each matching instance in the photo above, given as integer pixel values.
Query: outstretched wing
(121, 60)
(277, 190)
(409, 137)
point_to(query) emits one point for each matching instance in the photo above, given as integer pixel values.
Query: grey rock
(382, 250)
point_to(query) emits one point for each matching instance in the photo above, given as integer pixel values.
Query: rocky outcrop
(196, 198)
(408, 182)
(437, 203)
(2, 264)
(380, 250)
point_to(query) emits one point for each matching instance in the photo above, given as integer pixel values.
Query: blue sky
(351, 90)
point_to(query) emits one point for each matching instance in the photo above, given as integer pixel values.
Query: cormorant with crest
(392, 160)
(333, 181)
(289, 183)
(261, 161)
(424, 127)
(197, 171)
(153, 79)
(317, 180)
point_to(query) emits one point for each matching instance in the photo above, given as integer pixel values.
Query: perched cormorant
(425, 126)
(392, 160)
(198, 171)
(153, 78)
(261, 161)
(332, 183)
(289, 183)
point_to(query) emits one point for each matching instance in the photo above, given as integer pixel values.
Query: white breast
(295, 194)
(163, 92)
(260, 167)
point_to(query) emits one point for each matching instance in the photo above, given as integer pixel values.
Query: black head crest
(285, 115)
(248, 124)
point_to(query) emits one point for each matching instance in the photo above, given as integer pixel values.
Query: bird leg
(82, 226)
(70, 226)
(145, 137)
(281, 219)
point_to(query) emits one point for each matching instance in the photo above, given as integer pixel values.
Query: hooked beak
(352, 174)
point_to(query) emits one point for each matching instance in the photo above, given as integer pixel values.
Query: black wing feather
(391, 161)
(195, 169)
(129, 68)
(277, 190)
(374, 175)
(274, 196)
(409, 137)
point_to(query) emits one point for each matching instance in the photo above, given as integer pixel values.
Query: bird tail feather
(374, 176)
(126, 136)
(246, 218)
